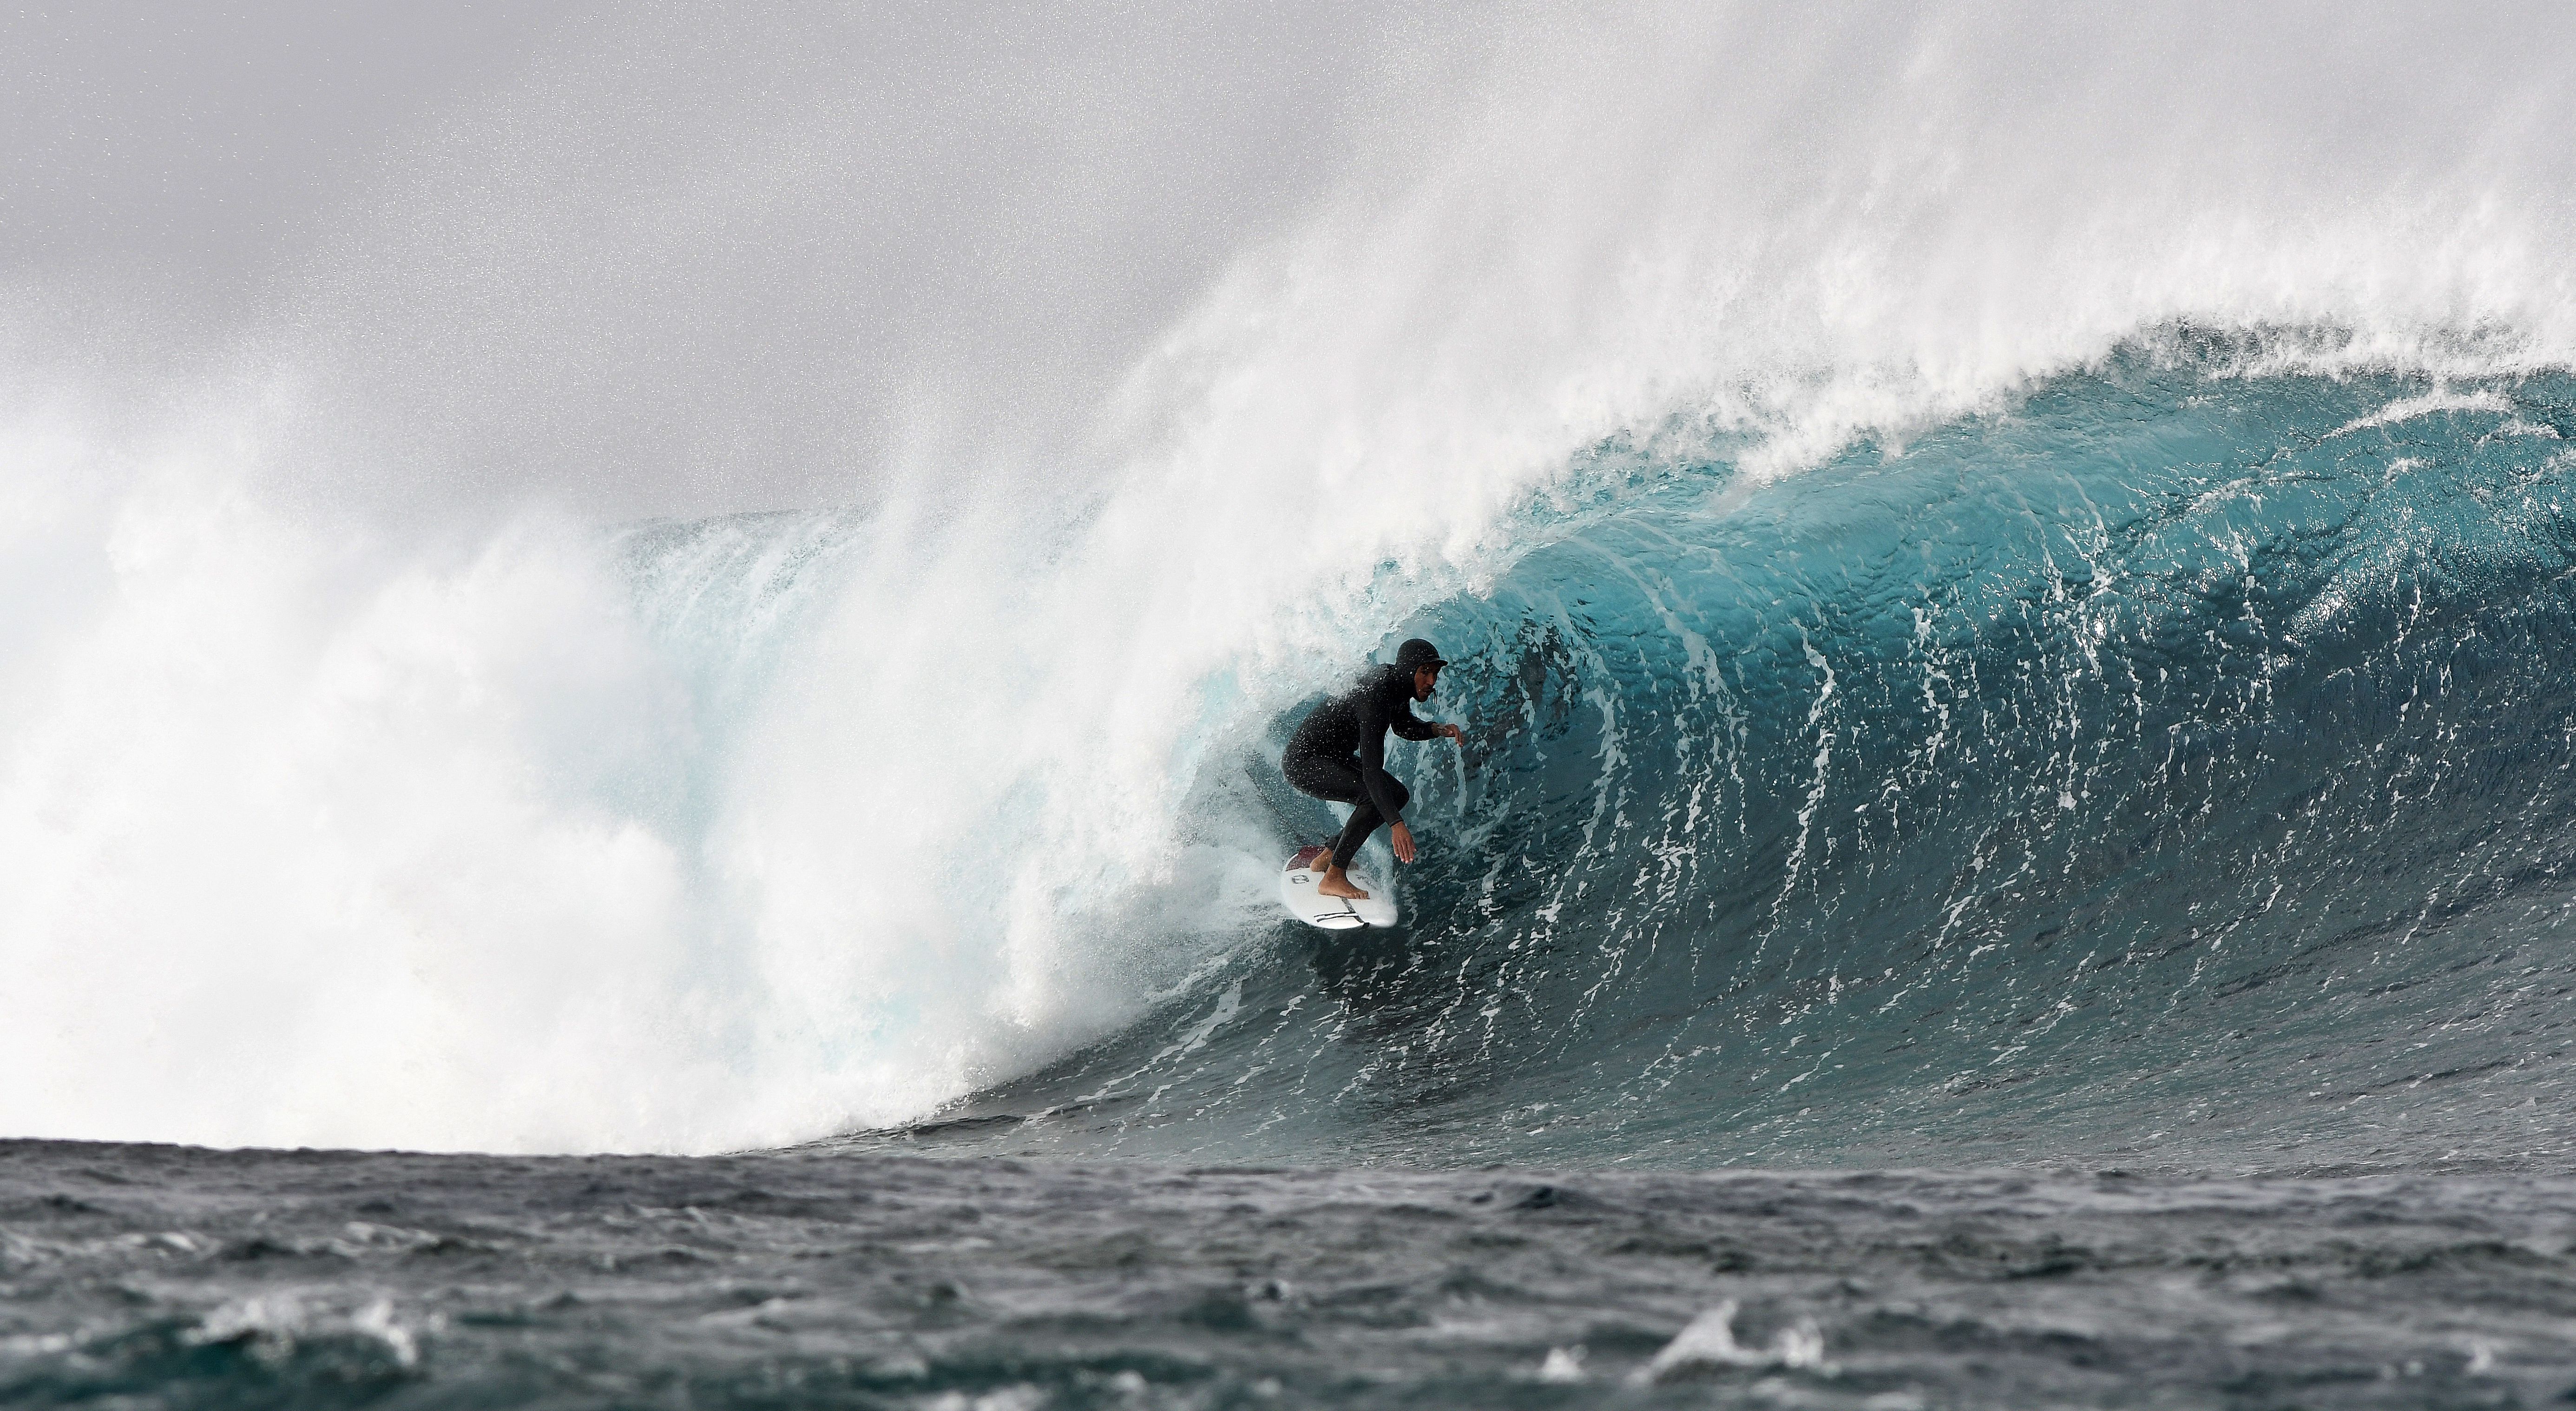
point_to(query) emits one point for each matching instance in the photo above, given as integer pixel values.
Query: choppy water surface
(156, 1276)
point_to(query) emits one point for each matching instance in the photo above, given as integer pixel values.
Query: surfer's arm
(1413, 727)
(1373, 775)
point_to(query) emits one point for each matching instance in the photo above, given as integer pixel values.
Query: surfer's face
(1424, 679)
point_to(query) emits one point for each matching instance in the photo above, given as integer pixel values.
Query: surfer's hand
(1402, 837)
(1455, 735)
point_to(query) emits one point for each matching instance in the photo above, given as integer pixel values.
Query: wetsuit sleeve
(1411, 726)
(1375, 718)
(1373, 775)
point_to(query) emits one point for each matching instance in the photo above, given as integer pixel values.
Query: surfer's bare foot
(1337, 883)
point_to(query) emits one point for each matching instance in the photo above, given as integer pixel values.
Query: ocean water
(2065, 911)
(184, 1277)
(2012, 594)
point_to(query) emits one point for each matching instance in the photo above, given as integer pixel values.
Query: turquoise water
(2170, 766)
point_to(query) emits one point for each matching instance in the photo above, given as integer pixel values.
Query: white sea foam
(319, 825)
(2440, 399)
(1709, 1341)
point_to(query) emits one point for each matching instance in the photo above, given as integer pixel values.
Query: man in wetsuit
(1339, 754)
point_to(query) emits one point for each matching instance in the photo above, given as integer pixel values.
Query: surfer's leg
(1364, 821)
(1325, 777)
(1336, 881)
(1336, 781)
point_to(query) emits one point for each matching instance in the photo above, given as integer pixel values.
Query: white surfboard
(1297, 889)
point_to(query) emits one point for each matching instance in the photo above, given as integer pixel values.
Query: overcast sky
(179, 151)
(677, 257)
(661, 258)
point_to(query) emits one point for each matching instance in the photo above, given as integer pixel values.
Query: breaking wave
(1988, 625)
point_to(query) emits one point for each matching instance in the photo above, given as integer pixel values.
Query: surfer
(1339, 754)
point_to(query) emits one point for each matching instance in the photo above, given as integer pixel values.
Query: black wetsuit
(1339, 753)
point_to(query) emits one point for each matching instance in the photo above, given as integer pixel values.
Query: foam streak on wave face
(317, 833)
